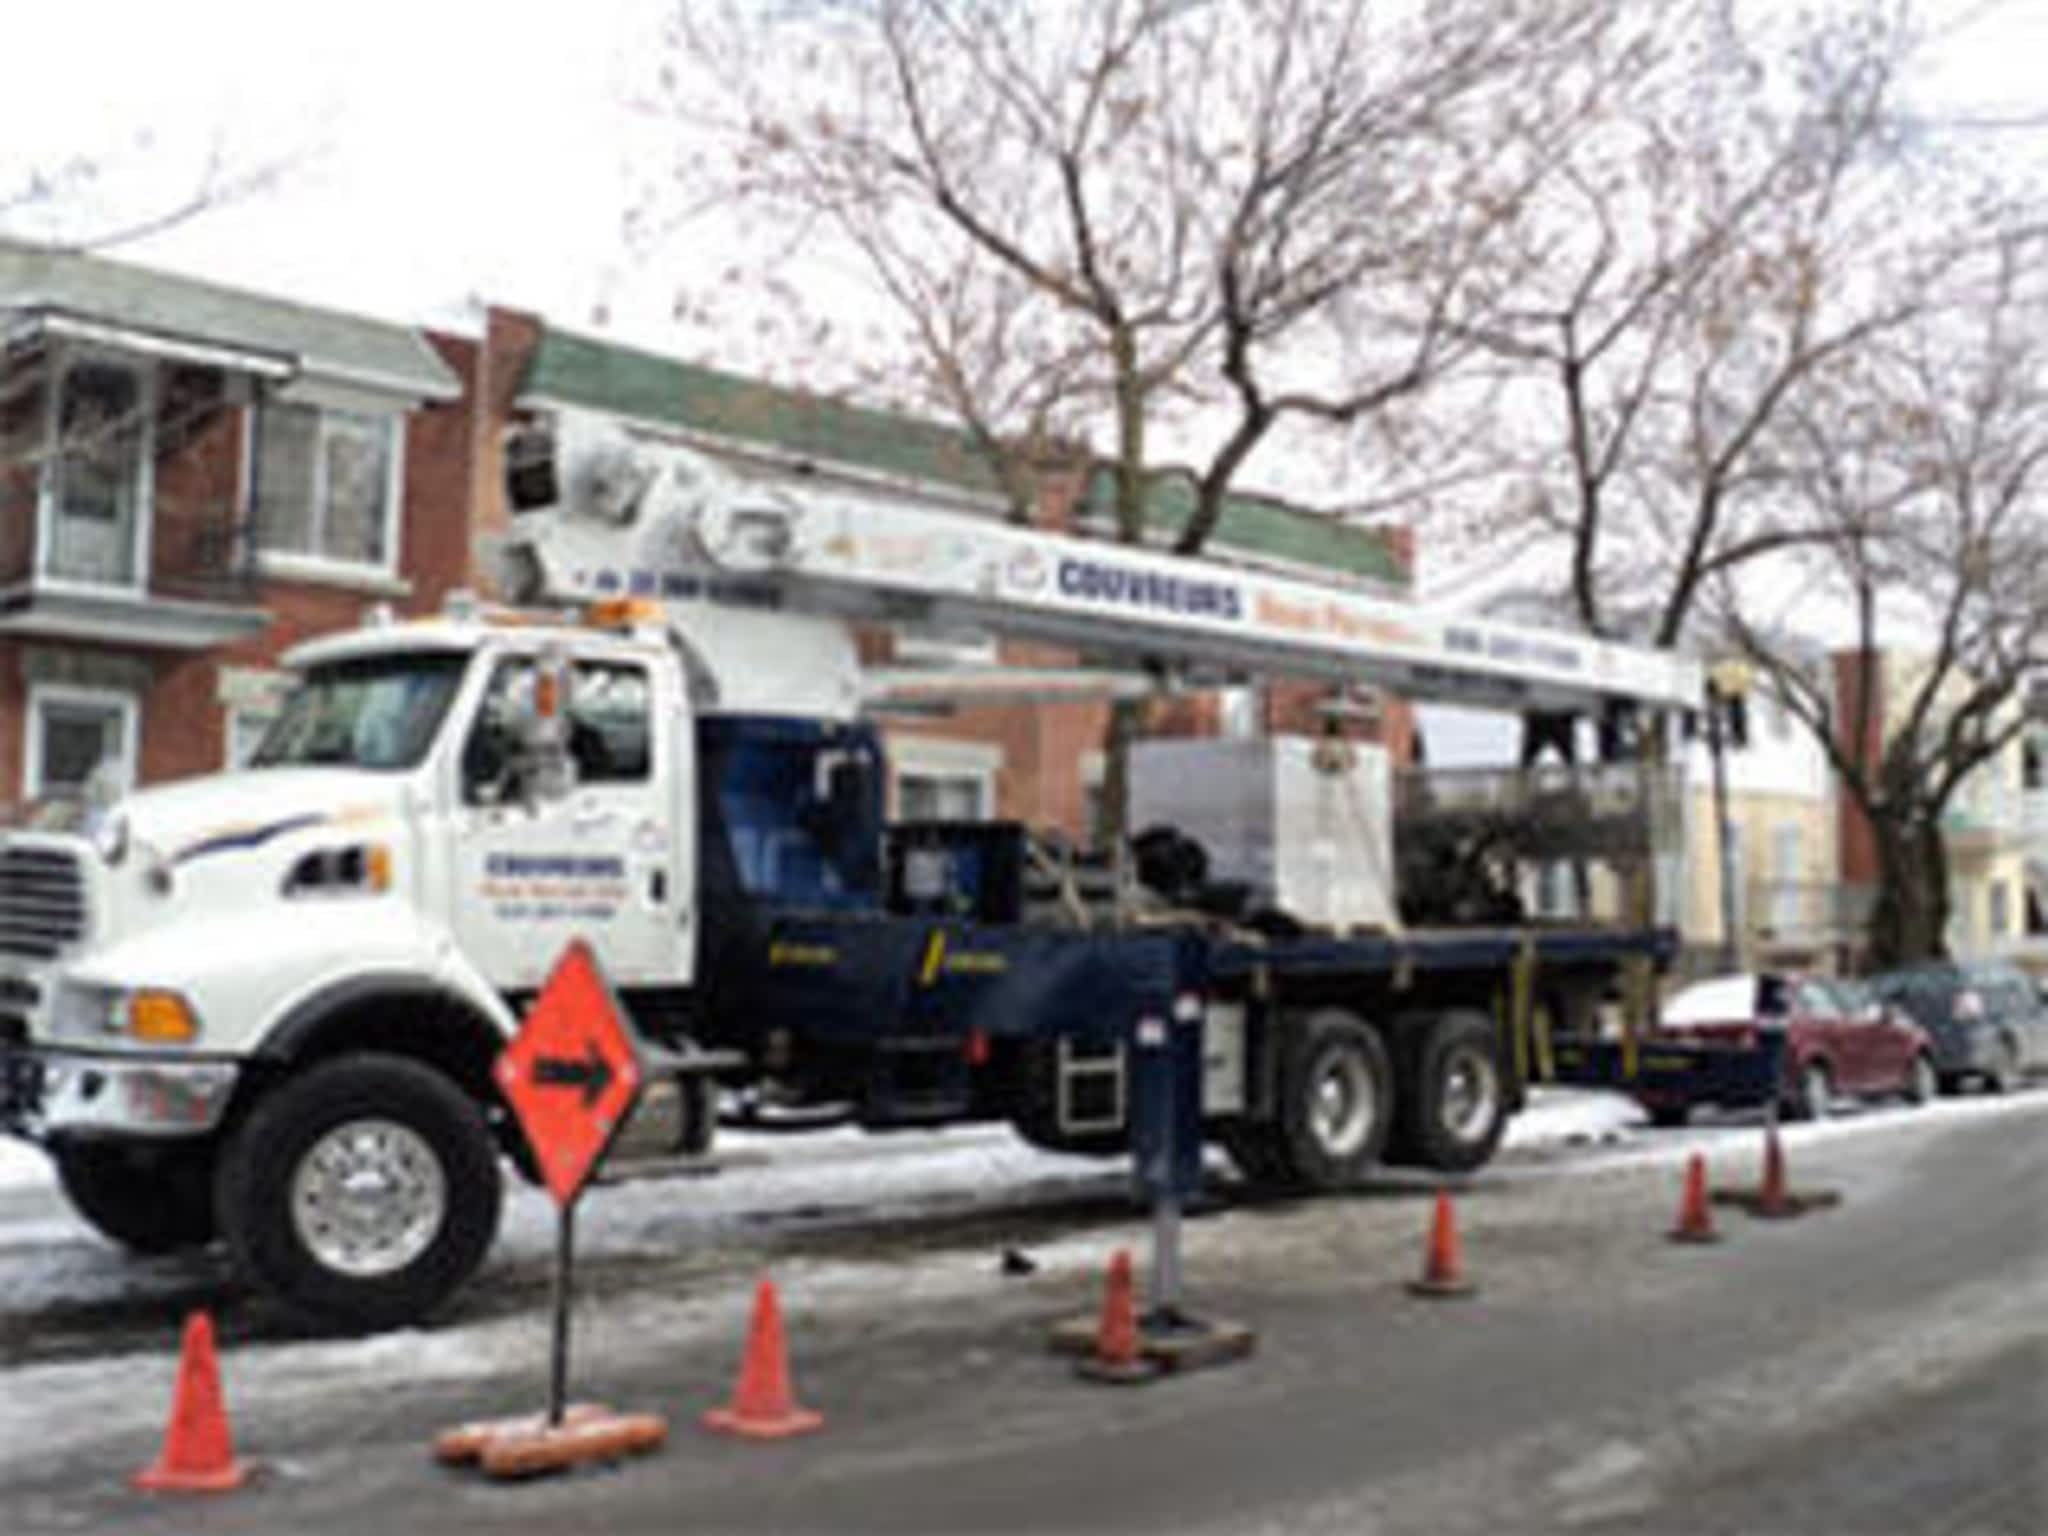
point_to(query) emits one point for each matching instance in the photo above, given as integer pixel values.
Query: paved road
(1879, 1368)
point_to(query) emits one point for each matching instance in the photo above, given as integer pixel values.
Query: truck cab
(353, 921)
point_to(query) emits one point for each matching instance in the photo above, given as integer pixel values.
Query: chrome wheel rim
(1342, 1108)
(1471, 1096)
(368, 1198)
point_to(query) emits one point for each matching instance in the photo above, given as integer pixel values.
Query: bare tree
(1925, 469)
(1163, 228)
(1723, 235)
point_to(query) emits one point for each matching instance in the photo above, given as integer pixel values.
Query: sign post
(571, 1075)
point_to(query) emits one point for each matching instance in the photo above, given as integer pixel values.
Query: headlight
(110, 837)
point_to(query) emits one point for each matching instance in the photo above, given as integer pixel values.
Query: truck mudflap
(1670, 1074)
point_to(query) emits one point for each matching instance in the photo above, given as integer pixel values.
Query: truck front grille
(42, 901)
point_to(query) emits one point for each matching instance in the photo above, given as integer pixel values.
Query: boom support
(669, 523)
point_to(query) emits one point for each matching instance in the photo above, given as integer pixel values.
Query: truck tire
(147, 1199)
(1260, 1152)
(1454, 1101)
(361, 1192)
(1336, 1101)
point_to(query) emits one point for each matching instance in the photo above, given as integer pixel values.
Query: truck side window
(609, 727)
(609, 732)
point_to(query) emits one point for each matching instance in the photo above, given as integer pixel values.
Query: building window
(941, 797)
(326, 484)
(75, 733)
(98, 483)
(2000, 909)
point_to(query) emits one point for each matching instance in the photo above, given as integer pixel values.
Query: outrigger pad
(1168, 1345)
(529, 1446)
(1793, 1202)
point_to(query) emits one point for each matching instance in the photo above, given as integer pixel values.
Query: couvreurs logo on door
(1103, 581)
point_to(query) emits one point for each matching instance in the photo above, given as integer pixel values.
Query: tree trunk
(1909, 922)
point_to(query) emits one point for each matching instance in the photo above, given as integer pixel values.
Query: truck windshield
(376, 712)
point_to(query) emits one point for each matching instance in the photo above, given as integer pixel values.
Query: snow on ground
(22, 1164)
(45, 1408)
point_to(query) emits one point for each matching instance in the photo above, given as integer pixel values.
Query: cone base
(1118, 1373)
(1442, 1289)
(163, 1479)
(753, 1426)
(1693, 1235)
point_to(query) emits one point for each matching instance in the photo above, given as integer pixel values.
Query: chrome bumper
(46, 1094)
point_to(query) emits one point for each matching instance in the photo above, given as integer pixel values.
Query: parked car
(1986, 1019)
(1838, 1040)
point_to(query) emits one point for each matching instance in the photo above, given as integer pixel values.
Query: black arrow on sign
(593, 1074)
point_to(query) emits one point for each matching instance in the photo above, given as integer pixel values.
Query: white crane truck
(262, 1006)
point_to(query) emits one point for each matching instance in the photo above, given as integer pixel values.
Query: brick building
(191, 479)
(194, 478)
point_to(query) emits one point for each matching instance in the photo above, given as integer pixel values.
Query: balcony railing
(1808, 912)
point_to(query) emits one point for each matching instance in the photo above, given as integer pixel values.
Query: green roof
(320, 343)
(572, 370)
(567, 369)
(1264, 527)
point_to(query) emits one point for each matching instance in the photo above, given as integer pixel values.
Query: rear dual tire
(1340, 1112)
(1334, 1111)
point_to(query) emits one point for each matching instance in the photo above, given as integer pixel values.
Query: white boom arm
(639, 520)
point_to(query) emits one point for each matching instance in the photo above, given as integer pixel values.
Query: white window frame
(929, 757)
(378, 576)
(126, 704)
(50, 481)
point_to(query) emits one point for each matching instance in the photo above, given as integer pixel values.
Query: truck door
(606, 862)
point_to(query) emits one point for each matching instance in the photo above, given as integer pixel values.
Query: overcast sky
(461, 148)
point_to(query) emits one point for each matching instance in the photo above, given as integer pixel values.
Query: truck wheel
(1260, 1152)
(361, 1192)
(1336, 1100)
(1455, 1104)
(147, 1199)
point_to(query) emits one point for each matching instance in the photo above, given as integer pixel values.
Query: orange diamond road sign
(572, 1072)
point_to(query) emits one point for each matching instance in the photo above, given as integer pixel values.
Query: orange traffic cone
(198, 1455)
(762, 1404)
(1118, 1355)
(1443, 1269)
(1695, 1216)
(1775, 1197)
